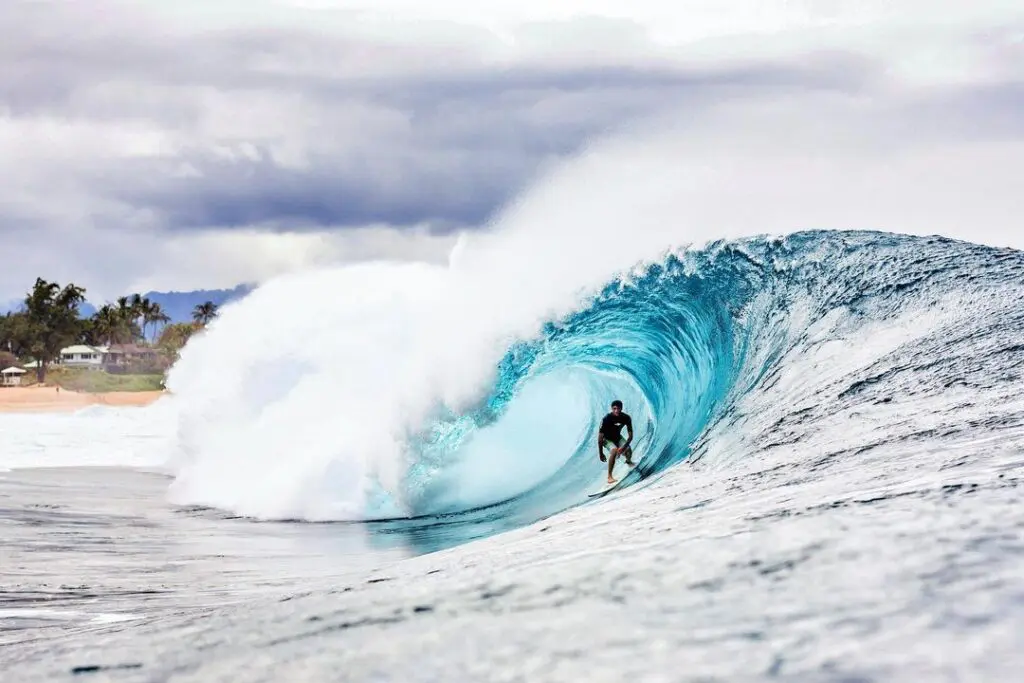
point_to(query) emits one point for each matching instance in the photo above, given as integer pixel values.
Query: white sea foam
(98, 436)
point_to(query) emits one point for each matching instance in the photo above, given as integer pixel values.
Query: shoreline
(54, 399)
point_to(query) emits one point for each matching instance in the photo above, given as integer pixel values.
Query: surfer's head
(616, 407)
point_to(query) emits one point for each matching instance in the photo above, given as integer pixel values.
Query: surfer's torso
(611, 426)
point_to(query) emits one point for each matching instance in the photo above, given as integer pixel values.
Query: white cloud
(224, 258)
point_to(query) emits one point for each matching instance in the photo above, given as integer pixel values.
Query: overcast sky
(156, 145)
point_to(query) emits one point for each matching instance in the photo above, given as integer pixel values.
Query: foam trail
(96, 436)
(301, 400)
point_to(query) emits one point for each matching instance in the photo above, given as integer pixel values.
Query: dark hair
(617, 404)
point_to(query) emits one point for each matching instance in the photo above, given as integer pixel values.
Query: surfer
(610, 435)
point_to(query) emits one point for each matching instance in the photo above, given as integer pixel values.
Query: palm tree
(128, 314)
(205, 312)
(139, 306)
(144, 312)
(111, 326)
(154, 313)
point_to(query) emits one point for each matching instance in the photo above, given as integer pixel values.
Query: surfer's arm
(600, 446)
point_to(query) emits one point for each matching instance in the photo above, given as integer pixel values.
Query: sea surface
(829, 486)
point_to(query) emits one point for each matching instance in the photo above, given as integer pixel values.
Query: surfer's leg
(625, 451)
(613, 448)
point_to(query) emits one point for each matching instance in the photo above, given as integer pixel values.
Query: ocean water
(828, 484)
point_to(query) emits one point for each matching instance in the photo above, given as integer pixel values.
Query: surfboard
(608, 488)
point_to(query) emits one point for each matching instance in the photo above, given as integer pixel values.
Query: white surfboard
(608, 488)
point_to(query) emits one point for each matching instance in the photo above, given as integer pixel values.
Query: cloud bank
(146, 146)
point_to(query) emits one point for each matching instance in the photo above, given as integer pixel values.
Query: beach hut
(11, 377)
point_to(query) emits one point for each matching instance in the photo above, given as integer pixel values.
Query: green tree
(139, 308)
(128, 311)
(125, 321)
(205, 312)
(15, 333)
(53, 321)
(89, 333)
(174, 337)
(152, 314)
(109, 325)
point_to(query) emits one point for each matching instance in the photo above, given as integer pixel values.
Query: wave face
(827, 339)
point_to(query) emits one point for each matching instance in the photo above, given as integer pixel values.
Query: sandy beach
(51, 399)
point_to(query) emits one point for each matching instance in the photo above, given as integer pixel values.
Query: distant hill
(178, 305)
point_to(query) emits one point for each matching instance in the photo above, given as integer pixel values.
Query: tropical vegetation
(50, 319)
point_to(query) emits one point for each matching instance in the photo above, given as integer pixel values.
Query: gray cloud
(375, 133)
(121, 134)
(446, 152)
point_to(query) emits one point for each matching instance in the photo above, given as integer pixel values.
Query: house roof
(130, 348)
(12, 371)
(79, 348)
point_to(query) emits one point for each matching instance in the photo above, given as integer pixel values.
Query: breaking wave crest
(400, 392)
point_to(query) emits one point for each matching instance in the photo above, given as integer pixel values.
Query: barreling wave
(707, 345)
(719, 354)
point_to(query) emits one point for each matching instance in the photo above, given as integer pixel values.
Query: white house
(11, 377)
(82, 356)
